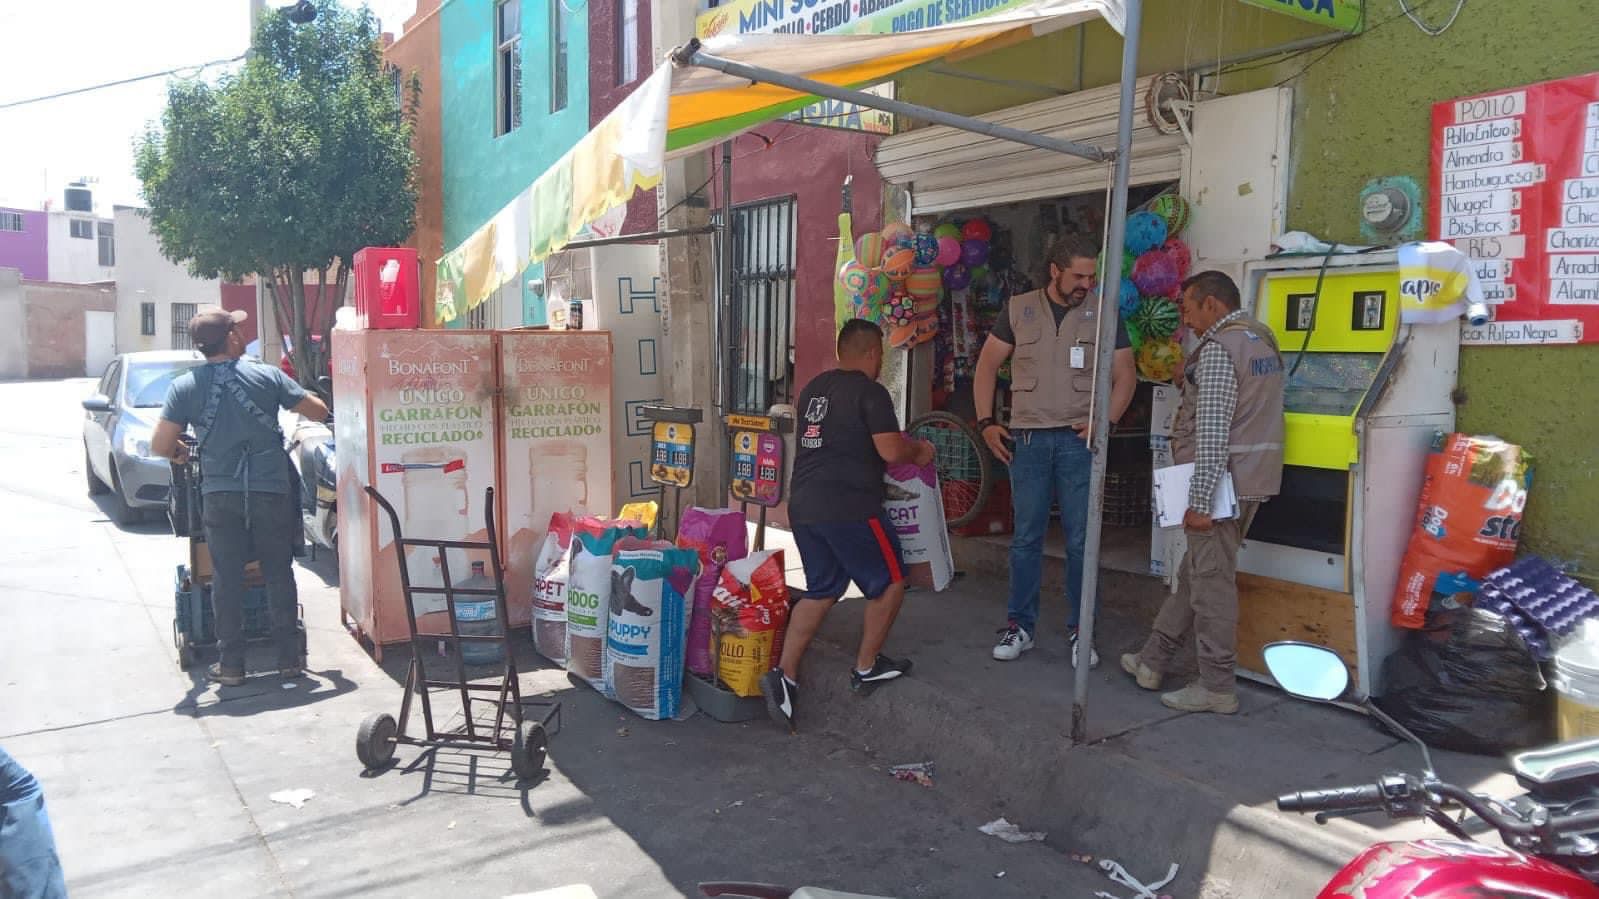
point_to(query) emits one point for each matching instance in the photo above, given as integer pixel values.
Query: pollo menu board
(1515, 185)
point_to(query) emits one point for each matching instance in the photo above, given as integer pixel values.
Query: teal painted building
(515, 93)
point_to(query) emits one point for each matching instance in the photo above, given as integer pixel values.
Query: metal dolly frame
(528, 739)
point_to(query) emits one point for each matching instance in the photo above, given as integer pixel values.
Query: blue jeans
(29, 866)
(1049, 465)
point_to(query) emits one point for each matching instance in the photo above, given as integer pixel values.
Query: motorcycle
(312, 450)
(1550, 835)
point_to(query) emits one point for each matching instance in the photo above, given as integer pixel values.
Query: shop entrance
(1022, 233)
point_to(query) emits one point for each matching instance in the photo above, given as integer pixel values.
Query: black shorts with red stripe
(837, 552)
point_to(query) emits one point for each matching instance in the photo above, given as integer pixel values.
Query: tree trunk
(304, 368)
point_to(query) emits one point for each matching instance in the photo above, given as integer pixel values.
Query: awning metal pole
(642, 237)
(690, 54)
(1104, 353)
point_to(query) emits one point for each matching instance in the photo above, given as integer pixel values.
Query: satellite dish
(1169, 104)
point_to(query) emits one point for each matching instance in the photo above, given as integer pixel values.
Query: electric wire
(195, 69)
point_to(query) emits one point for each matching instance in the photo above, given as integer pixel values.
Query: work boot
(224, 676)
(1195, 698)
(1147, 677)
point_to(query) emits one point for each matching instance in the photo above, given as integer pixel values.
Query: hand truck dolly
(523, 734)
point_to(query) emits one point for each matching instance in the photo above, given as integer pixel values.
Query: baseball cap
(210, 326)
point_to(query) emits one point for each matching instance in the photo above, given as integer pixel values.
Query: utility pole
(266, 317)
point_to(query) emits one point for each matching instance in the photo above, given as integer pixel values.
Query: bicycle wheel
(965, 469)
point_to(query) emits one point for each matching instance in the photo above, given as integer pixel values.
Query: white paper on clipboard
(1171, 495)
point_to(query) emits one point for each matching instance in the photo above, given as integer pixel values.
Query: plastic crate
(194, 620)
(1128, 499)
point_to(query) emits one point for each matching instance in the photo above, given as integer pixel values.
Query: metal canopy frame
(692, 54)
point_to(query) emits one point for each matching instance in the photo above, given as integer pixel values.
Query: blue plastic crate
(194, 618)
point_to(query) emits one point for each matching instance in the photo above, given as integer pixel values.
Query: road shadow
(151, 521)
(261, 692)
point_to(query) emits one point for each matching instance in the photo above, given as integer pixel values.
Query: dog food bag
(641, 512)
(749, 612)
(588, 595)
(719, 536)
(915, 506)
(551, 569)
(647, 627)
(1468, 520)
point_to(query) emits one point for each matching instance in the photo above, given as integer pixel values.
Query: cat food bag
(749, 612)
(719, 536)
(915, 506)
(1468, 520)
(647, 627)
(551, 569)
(588, 595)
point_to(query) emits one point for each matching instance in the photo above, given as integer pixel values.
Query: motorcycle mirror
(324, 385)
(1307, 670)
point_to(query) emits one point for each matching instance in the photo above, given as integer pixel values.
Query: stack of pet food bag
(628, 615)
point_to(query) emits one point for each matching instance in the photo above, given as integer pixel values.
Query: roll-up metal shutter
(945, 168)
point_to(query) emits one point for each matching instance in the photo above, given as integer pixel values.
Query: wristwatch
(984, 424)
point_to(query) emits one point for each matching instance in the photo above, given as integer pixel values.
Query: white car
(122, 414)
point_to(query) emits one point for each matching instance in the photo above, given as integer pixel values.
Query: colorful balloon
(949, 251)
(1145, 231)
(898, 262)
(1156, 274)
(926, 246)
(977, 229)
(948, 229)
(869, 249)
(979, 272)
(852, 275)
(1174, 209)
(923, 282)
(957, 276)
(897, 233)
(974, 252)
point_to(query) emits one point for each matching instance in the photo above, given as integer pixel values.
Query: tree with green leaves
(288, 166)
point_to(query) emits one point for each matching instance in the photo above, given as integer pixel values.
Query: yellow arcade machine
(1365, 398)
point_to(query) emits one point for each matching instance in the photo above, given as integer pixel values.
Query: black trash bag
(1470, 685)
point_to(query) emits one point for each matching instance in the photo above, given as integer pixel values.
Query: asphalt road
(159, 783)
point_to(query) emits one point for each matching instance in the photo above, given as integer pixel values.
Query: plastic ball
(974, 252)
(852, 276)
(977, 229)
(1145, 231)
(878, 287)
(923, 282)
(979, 272)
(897, 233)
(1174, 209)
(1129, 299)
(957, 276)
(1157, 318)
(869, 249)
(1159, 360)
(1181, 256)
(948, 229)
(949, 251)
(1155, 273)
(1127, 265)
(898, 262)
(926, 247)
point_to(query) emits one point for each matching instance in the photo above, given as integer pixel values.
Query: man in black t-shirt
(848, 434)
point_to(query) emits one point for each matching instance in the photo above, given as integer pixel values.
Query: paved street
(159, 783)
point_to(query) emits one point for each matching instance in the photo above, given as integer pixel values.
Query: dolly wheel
(374, 742)
(529, 750)
(185, 655)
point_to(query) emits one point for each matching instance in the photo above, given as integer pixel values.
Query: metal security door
(761, 321)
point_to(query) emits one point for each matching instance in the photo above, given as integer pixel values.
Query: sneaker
(1014, 642)
(883, 670)
(225, 678)
(779, 693)
(1195, 698)
(1147, 677)
(292, 672)
(1093, 654)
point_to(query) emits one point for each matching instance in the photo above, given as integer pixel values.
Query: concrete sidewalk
(1150, 786)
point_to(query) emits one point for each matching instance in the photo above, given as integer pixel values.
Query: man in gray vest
(1230, 422)
(251, 508)
(1050, 337)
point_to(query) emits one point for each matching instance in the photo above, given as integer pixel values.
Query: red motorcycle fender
(1447, 869)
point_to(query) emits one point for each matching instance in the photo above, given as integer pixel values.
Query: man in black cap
(251, 507)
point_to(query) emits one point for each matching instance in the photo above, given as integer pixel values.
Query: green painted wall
(483, 172)
(1362, 110)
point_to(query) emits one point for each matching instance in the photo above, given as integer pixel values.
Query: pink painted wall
(809, 163)
(605, 92)
(27, 250)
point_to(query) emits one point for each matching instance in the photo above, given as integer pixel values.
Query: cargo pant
(267, 532)
(1206, 603)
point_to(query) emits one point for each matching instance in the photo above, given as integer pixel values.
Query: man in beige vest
(1050, 337)
(1230, 422)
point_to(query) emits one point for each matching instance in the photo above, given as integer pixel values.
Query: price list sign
(672, 453)
(758, 467)
(1515, 185)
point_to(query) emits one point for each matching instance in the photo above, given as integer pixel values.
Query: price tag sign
(672, 453)
(758, 467)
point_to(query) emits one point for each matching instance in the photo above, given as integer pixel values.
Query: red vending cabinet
(388, 292)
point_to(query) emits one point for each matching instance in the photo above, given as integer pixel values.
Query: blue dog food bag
(647, 628)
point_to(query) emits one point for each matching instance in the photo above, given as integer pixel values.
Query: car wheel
(97, 487)
(121, 512)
